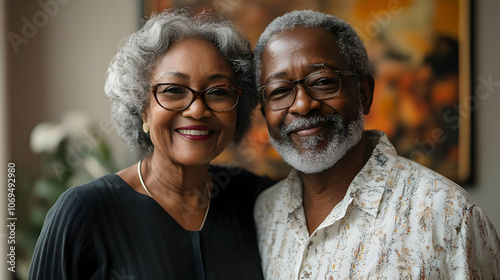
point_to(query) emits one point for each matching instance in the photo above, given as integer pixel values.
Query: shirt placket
(309, 264)
(298, 227)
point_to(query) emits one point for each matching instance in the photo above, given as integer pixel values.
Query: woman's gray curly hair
(127, 81)
(348, 41)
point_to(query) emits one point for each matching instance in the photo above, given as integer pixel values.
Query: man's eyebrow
(322, 65)
(318, 65)
(278, 75)
(312, 67)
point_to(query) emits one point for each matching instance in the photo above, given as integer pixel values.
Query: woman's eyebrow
(174, 74)
(219, 76)
(186, 76)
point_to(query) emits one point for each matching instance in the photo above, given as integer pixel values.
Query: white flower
(45, 137)
(94, 167)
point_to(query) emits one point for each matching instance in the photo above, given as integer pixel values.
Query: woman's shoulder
(106, 183)
(73, 205)
(91, 192)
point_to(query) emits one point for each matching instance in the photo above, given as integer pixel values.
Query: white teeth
(194, 132)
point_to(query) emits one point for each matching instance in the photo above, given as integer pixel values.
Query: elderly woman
(182, 90)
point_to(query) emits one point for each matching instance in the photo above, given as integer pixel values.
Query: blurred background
(55, 122)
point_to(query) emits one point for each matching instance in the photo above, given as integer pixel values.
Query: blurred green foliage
(68, 160)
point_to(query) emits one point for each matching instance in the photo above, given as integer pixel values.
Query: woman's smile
(195, 132)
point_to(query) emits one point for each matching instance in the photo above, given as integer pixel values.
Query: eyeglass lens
(320, 86)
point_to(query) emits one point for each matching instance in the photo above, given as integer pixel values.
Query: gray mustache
(308, 122)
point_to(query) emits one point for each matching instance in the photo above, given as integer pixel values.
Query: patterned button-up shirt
(398, 220)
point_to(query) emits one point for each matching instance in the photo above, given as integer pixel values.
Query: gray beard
(315, 160)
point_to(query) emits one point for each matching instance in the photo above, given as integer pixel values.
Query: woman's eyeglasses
(175, 97)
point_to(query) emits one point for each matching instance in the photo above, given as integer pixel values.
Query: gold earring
(145, 127)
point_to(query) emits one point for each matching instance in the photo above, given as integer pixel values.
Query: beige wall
(61, 64)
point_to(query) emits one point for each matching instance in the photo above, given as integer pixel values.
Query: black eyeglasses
(320, 85)
(175, 97)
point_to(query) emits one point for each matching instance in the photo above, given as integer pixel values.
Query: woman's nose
(197, 110)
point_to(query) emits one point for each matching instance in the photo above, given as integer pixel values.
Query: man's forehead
(304, 46)
(300, 32)
(301, 41)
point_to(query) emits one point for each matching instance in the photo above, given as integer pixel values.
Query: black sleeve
(64, 247)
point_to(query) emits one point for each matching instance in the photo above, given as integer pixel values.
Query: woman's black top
(104, 229)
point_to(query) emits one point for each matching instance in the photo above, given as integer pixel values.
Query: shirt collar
(368, 186)
(292, 192)
(370, 183)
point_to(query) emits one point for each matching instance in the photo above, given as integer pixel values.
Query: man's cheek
(275, 133)
(274, 124)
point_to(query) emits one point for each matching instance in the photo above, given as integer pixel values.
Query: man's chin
(303, 159)
(318, 153)
(305, 144)
(309, 150)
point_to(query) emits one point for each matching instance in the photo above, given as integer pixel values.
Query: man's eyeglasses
(175, 97)
(319, 85)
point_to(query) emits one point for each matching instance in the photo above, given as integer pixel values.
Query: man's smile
(309, 130)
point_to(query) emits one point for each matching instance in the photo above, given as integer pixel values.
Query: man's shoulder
(423, 182)
(270, 207)
(270, 195)
(407, 168)
(410, 179)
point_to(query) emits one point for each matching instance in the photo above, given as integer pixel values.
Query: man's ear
(366, 92)
(262, 110)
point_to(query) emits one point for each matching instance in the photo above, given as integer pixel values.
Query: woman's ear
(145, 124)
(366, 92)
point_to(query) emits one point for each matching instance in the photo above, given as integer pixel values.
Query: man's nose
(303, 103)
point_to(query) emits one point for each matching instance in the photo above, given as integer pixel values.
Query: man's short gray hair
(349, 43)
(127, 82)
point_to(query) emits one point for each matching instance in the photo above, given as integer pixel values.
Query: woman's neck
(164, 175)
(182, 191)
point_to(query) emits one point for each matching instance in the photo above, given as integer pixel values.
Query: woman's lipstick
(195, 132)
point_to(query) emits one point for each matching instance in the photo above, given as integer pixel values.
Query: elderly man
(351, 208)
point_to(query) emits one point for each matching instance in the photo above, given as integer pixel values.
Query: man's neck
(324, 190)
